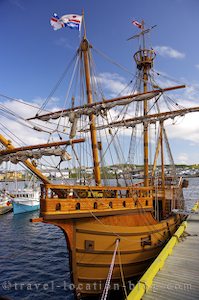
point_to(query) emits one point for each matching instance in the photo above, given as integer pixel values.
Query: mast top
(84, 24)
(144, 57)
(142, 32)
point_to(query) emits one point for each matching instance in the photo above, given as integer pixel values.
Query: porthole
(58, 206)
(77, 206)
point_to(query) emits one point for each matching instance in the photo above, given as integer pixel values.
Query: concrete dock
(179, 278)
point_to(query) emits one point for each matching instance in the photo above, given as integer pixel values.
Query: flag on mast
(71, 21)
(136, 23)
(55, 23)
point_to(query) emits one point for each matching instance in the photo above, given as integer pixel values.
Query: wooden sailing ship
(115, 230)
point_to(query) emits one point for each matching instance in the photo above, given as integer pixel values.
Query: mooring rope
(108, 279)
(122, 273)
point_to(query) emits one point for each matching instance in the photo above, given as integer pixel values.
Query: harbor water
(34, 262)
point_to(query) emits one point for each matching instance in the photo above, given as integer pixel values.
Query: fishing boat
(114, 227)
(25, 200)
(5, 203)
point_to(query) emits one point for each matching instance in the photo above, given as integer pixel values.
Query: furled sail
(153, 118)
(97, 108)
(16, 155)
(21, 156)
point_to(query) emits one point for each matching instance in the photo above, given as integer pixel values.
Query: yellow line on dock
(147, 279)
(196, 206)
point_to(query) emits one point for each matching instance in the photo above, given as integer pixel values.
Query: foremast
(27, 163)
(84, 48)
(10, 149)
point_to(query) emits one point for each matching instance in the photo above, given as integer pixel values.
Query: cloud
(169, 52)
(184, 128)
(183, 158)
(112, 83)
(191, 95)
(14, 124)
(21, 107)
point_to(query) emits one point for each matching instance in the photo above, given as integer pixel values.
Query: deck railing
(60, 198)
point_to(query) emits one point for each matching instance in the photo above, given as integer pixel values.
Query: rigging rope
(56, 85)
(9, 111)
(108, 280)
(70, 84)
(167, 77)
(122, 273)
(20, 101)
(112, 61)
(114, 139)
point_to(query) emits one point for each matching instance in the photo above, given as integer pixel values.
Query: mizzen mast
(84, 48)
(144, 60)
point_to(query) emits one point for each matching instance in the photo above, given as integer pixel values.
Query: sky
(33, 56)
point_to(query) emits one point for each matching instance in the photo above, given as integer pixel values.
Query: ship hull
(91, 243)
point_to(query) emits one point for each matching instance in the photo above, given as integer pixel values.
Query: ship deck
(178, 279)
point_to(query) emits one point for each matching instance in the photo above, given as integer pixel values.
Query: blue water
(34, 261)
(191, 194)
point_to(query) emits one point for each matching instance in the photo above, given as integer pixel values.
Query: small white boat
(5, 203)
(25, 201)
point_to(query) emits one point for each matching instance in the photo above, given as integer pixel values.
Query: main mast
(144, 60)
(84, 47)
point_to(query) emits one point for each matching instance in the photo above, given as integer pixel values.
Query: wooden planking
(134, 187)
(98, 272)
(138, 223)
(179, 277)
(93, 264)
(66, 205)
(131, 257)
